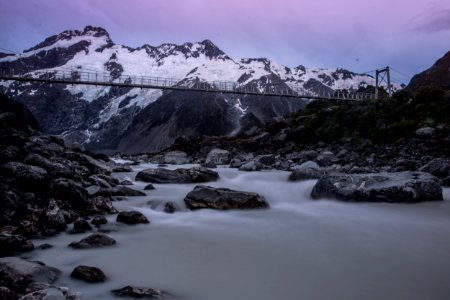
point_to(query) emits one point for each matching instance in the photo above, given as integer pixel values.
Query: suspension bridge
(80, 77)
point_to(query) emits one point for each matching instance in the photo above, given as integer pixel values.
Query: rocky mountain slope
(102, 118)
(437, 75)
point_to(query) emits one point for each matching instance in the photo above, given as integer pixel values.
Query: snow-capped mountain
(101, 117)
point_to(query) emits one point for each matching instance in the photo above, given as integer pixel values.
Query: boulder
(175, 158)
(437, 167)
(99, 220)
(18, 273)
(7, 294)
(80, 225)
(307, 170)
(140, 292)
(425, 131)
(169, 208)
(55, 216)
(73, 194)
(53, 293)
(12, 243)
(24, 176)
(121, 191)
(88, 274)
(132, 217)
(93, 241)
(326, 159)
(126, 182)
(149, 187)
(222, 199)
(193, 175)
(218, 157)
(404, 187)
(54, 169)
(251, 166)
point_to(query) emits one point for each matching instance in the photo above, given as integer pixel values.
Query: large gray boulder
(307, 170)
(193, 175)
(18, 273)
(94, 240)
(141, 292)
(405, 187)
(437, 167)
(223, 199)
(218, 157)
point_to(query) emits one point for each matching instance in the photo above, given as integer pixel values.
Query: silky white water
(298, 249)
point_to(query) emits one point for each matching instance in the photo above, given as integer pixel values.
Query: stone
(80, 225)
(326, 159)
(88, 274)
(403, 187)
(7, 294)
(132, 217)
(218, 157)
(149, 187)
(53, 293)
(18, 273)
(126, 182)
(140, 292)
(223, 199)
(251, 166)
(24, 176)
(425, 131)
(54, 169)
(12, 243)
(307, 170)
(236, 163)
(93, 241)
(169, 208)
(175, 158)
(122, 191)
(55, 216)
(99, 220)
(192, 175)
(437, 167)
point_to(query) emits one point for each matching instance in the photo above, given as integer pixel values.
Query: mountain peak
(88, 31)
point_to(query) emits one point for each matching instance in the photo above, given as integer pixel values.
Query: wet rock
(126, 182)
(437, 167)
(81, 226)
(55, 216)
(88, 274)
(54, 169)
(169, 208)
(122, 169)
(99, 220)
(222, 199)
(236, 163)
(149, 187)
(121, 191)
(44, 246)
(139, 292)
(102, 204)
(193, 175)
(175, 158)
(74, 195)
(36, 286)
(53, 293)
(326, 159)
(425, 131)
(18, 273)
(218, 157)
(7, 294)
(24, 176)
(132, 217)
(209, 165)
(93, 241)
(379, 187)
(12, 243)
(307, 170)
(251, 166)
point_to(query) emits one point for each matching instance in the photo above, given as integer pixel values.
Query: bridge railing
(78, 76)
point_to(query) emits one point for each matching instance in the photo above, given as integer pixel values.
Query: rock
(126, 182)
(218, 157)
(73, 194)
(7, 294)
(437, 167)
(102, 204)
(81, 226)
(88, 274)
(18, 273)
(193, 175)
(266, 160)
(92, 241)
(132, 217)
(379, 187)
(44, 246)
(123, 191)
(209, 165)
(251, 166)
(55, 216)
(425, 131)
(37, 286)
(139, 292)
(236, 163)
(103, 180)
(54, 169)
(307, 170)
(222, 199)
(122, 169)
(10, 244)
(149, 187)
(326, 159)
(169, 208)
(175, 158)
(23, 176)
(99, 220)
(53, 293)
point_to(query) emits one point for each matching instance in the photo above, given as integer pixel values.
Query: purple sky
(360, 35)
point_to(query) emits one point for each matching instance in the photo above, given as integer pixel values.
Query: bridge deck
(145, 82)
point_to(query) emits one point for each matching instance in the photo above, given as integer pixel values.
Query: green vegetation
(382, 121)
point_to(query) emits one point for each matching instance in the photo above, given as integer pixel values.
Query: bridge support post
(383, 76)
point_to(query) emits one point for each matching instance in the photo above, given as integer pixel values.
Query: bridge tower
(383, 76)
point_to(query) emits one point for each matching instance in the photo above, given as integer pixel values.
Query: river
(298, 249)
